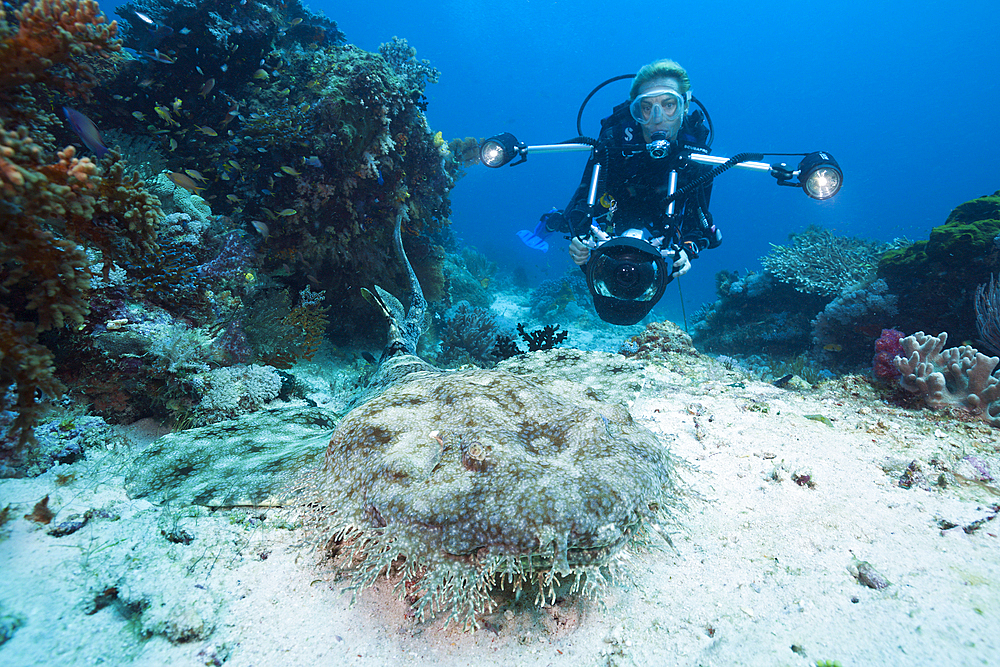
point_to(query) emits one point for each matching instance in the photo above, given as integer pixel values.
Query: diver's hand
(578, 251)
(682, 264)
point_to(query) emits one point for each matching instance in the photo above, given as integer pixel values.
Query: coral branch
(50, 34)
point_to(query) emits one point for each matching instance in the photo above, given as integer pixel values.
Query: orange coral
(39, 270)
(51, 35)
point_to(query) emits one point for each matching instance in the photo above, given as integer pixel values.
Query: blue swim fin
(536, 239)
(533, 241)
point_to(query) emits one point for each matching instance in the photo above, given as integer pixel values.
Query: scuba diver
(641, 236)
(640, 214)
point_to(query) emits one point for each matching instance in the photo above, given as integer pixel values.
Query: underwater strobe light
(820, 175)
(499, 150)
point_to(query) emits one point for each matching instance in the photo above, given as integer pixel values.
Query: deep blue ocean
(904, 95)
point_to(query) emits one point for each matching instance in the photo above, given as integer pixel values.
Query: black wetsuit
(638, 184)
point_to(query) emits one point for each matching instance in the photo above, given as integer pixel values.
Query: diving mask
(657, 106)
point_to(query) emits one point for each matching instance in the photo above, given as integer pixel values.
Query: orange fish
(184, 181)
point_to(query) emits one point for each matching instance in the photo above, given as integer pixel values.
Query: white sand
(762, 563)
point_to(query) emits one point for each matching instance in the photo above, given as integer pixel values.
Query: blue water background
(904, 95)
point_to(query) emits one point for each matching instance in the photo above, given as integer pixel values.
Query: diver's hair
(660, 69)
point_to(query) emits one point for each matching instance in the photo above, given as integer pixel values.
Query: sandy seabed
(784, 509)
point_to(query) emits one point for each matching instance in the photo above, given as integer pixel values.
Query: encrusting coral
(957, 377)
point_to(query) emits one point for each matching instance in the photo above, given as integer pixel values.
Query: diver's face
(671, 127)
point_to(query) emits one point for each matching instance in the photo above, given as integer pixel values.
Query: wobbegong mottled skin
(475, 479)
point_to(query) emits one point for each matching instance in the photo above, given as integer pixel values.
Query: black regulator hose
(722, 168)
(579, 115)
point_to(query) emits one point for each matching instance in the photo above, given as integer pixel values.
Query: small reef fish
(173, 144)
(234, 199)
(184, 181)
(207, 88)
(87, 131)
(139, 116)
(176, 106)
(287, 212)
(164, 113)
(290, 171)
(833, 347)
(260, 74)
(313, 161)
(261, 228)
(207, 131)
(195, 175)
(159, 57)
(295, 22)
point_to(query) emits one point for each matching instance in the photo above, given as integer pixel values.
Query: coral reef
(936, 279)
(262, 164)
(292, 134)
(568, 296)
(847, 325)
(660, 340)
(756, 314)
(475, 480)
(44, 276)
(819, 262)
(957, 377)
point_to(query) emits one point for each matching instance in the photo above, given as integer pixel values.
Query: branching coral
(469, 334)
(44, 278)
(957, 377)
(52, 36)
(818, 262)
(49, 209)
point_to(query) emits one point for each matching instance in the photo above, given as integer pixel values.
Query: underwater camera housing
(626, 276)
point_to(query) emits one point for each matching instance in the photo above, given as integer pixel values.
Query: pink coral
(887, 348)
